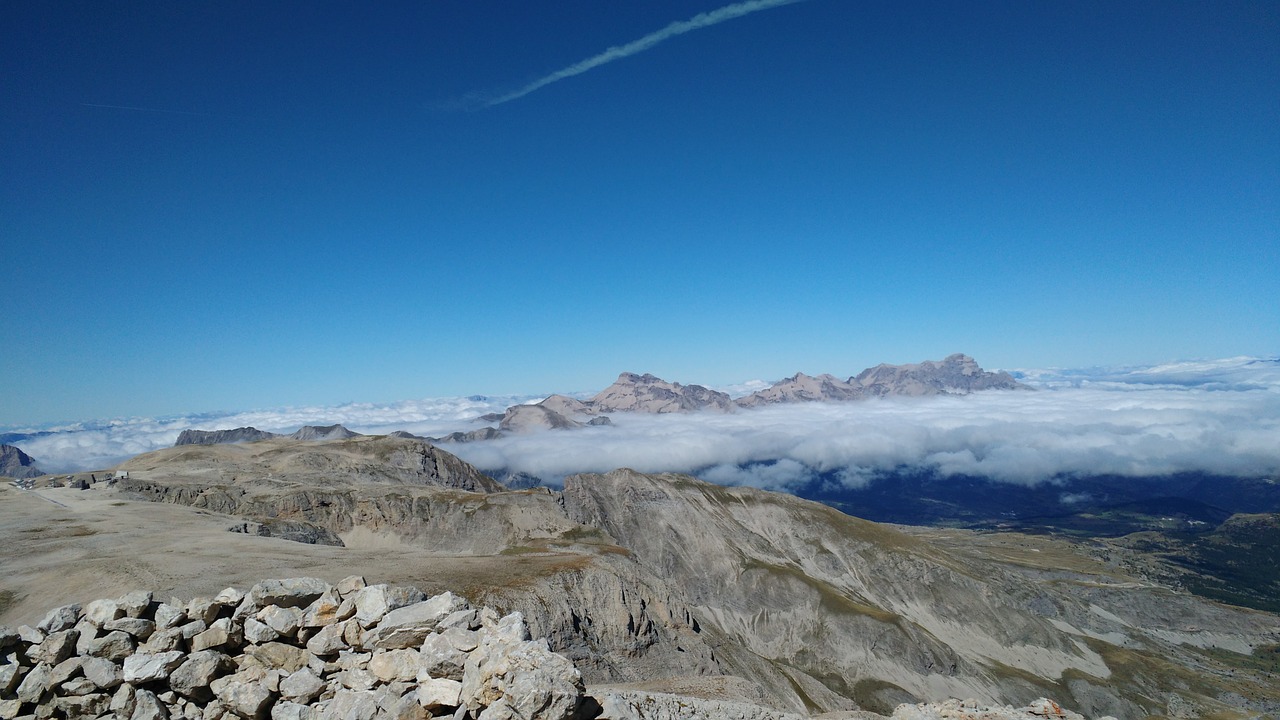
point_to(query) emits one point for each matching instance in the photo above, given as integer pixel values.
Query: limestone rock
(375, 601)
(100, 612)
(58, 646)
(284, 621)
(524, 676)
(192, 678)
(135, 604)
(399, 664)
(302, 686)
(139, 628)
(59, 619)
(242, 695)
(144, 667)
(408, 626)
(101, 672)
(435, 693)
(146, 706)
(290, 592)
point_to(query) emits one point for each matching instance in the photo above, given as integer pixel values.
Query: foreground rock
(302, 649)
(294, 648)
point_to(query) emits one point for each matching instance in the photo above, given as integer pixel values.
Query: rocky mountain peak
(650, 394)
(219, 437)
(532, 418)
(323, 432)
(16, 464)
(957, 374)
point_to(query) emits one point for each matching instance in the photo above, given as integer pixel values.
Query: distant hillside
(219, 437)
(956, 374)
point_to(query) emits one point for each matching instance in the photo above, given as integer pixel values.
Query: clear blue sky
(308, 202)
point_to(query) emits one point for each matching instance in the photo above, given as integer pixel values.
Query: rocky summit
(661, 586)
(957, 374)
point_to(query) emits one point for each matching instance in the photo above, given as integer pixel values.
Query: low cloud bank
(101, 444)
(1010, 436)
(1219, 417)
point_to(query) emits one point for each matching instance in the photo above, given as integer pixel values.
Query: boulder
(135, 604)
(140, 628)
(520, 677)
(147, 706)
(58, 619)
(100, 612)
(290, 592)
(375, 601)
(395, 665)
(192, 678)
(102, 672)
(302, 686)
(284, 621)
(436, 693)
(242, 695)
(146, 667)
(410, 625)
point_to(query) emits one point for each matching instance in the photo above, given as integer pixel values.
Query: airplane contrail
(697, 22)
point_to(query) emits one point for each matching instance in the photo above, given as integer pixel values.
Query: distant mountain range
(956, 374)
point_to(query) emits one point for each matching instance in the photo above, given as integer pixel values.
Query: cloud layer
(697, 22)
(95, 445)
(1010, 436)
(1219, 417)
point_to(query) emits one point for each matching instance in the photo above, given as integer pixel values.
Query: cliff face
(16, 464)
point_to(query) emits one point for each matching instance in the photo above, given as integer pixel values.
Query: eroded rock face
(649, 394)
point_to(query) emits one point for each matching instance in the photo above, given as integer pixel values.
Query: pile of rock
(1042, 709)
(286, 650)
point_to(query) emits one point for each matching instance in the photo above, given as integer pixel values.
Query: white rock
(436, 693)
(100, 612)
(285, 621)
(302, 686)
(258, 632)
(58, 619)
(135, 604)
(395, 665)
(143, 667)
(408, 626)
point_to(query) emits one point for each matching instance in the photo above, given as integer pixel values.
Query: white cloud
(96, 445)
(1218, 417)
(1095, 424)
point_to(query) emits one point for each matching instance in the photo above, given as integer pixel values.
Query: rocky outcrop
(322, 432)
(803, 388)
(295, 648)
(218, 437)
(955, 375)
(522, 419)
(16, 464)
(486, 433)
(649, 394)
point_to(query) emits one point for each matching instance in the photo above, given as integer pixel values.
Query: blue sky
(293, 203)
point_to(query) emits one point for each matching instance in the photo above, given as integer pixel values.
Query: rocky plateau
(657, 584)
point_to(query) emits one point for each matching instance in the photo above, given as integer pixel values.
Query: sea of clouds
(1220, 417)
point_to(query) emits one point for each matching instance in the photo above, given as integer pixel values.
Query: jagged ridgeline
(658, 583)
